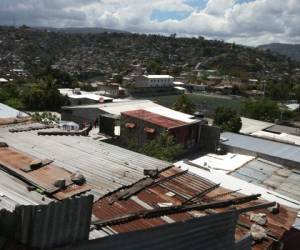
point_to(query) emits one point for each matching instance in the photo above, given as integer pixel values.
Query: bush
(227, 119)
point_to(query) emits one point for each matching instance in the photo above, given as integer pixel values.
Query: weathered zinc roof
(262, 146)
(250, 126)
(106, 167)
(175, 189)
(14, 192)
(272, 176)
(284, 129)
(117, 107)
(9, 112)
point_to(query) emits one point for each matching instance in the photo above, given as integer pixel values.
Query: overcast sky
(249, 22)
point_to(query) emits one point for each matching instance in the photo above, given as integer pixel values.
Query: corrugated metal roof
(262, 146)
(153, 118)
(209, 232)
(272, 176)
(52, 225)
(284, 129)
(106, 167)
(15, 162)
(14, 192)
(83, 94)
(175, 191)
(283, 137)
(116, 108)
(9, 112)
(245, 243)
(250, 126)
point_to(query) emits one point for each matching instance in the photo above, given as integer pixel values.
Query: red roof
(153, 118)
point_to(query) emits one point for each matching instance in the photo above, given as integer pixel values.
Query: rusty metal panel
(187, 185)
(104, 210)
(107, 168)
(14, 162)
(154, 118)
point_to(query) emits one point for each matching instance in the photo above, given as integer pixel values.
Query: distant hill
(290, 50)
(97, 52)
(85, 30)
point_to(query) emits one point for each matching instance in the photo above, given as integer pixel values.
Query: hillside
(75, 30)
(102, 54)
(290, 50)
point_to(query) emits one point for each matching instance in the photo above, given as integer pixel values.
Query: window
(130, 125)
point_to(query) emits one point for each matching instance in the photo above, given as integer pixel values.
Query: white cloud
(254, 22)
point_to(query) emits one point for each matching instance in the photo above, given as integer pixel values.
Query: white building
(3, 80)
(78, 97)
(154, 81)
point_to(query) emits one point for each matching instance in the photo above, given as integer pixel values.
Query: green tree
(15, 103)
(154, 67)
(227, 119)
(118, 79)
(278, 91)
(261, 109)
(184, 104)
(163, 147)
(43, 96)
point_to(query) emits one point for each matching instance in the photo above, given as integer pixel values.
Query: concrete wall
(209, 137)
(143, 81)
(80, 115)
(137, 135)
(187, 135)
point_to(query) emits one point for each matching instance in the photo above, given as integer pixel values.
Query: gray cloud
(255, 22)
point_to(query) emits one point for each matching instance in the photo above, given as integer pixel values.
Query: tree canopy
(184, 104)
(163, 147)
(227, 119)
(43, 96)
(262, 109)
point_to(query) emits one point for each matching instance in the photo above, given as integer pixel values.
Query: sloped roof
(106, 167)
(153, 118)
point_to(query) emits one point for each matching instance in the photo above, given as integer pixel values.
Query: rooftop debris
(154, 206)
(258, 233)
(3, 145)
(83, 132)
(41, 174)
(36, 164)
(260, 218)
(30, 127)
(106, 167)
(162, 211)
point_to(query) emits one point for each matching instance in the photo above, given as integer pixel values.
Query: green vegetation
(41, 95)
(227, 119)
(37, 48)
(163, 147)
(261, 109)
(154, 67)
(184, 104)
(203, 102)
